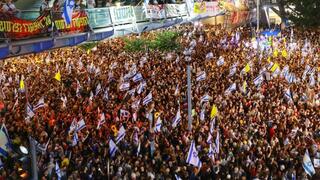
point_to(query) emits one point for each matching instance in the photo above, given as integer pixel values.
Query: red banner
(15, 28)
(79, 23)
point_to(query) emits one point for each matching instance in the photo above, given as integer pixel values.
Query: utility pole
(189, 97)
(258, 15)
(33, 159)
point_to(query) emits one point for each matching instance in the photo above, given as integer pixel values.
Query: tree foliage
(302, 12)
(162, 41)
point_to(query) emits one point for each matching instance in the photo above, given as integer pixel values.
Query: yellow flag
(247, 68)
(88, 51)
(21, 84)
(193, 112)
(274, 67)
(58, 76)
(275, 53)
(269, 59)
(214, 111)
(244, 87)
(284, 53)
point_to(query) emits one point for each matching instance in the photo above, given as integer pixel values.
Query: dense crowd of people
(240, 107)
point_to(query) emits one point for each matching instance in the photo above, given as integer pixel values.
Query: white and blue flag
(258, 80)
(201, 76)
(112, 148)
(67, 11)
(121, 134)
(98, 89)
(141, 87)
(193, 157)
(217, 148)
(202, 114)
(124, 86)
(147, 99)
(30, 112)
(176, 119)
(75, 139)
(233, 69)
(220, 62)
(158, 125)
(307, 164)
(138, 77)
(211, 153)
(232, 88)
(102, 120)
(209, 55)
(288, 95)
(58, 172)
(205, 98)
(39, 105)
(5, 145)
(80, 125)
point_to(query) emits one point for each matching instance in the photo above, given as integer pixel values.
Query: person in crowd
(9, 8)
(90, 118)
(44, 6)
(91, 4)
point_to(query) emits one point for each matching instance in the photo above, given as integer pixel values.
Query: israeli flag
(112, 148)
(193, 157)
(121, 134)
(102, 120)
(233, 70)
(177, 177)
(58, 172)
(220, 62)
(176, 92)
(132, 91)
(217, 148)
(135, 137)
(306, 71)
(124, 86)
(205, 98)
(67, 11)
(5, 144)
(30, 112)
(209, 139)
(211, 152)
(147, 99)
(135, 104)
(202, 114)
(307, 164)
(232, 88)
(106, 94)
(158, 125)
(209, 55)
(139, 147)
(80, 125)
(141, 87)
(39, 105)
(288, 95)
(138, 77)
(258, 80)
(312, 80)
(201, 76)
(98, 89)
(75, 139)
(285, 71)
(212, 123)
(176, 119)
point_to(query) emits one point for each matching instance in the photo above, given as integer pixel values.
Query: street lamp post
(189, 97)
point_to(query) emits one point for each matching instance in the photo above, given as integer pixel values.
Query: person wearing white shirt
(9, 7)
